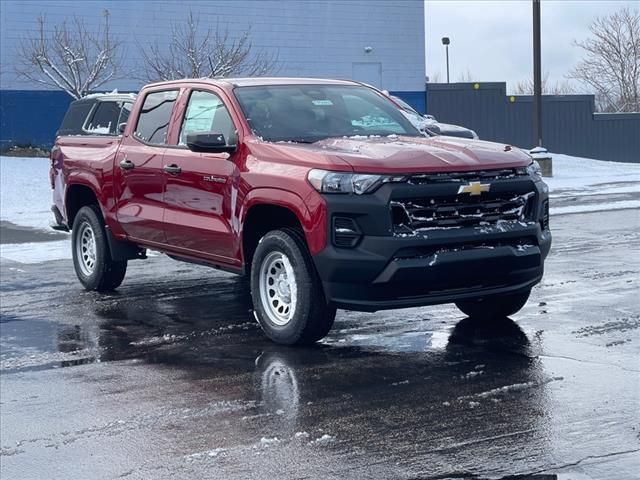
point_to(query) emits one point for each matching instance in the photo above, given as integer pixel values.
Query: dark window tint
(153, 121)
(75, 118)
(104, 119)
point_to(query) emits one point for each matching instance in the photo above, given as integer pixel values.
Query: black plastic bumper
(441, 266)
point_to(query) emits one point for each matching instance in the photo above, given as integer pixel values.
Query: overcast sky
(493, 39)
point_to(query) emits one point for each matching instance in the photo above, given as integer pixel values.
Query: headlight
(343, 182)
(534, 170)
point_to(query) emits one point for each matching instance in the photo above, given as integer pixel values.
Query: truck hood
(422, 154)
(395, 155)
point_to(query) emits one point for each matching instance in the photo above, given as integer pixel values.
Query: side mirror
(209, 143)
(121, 127)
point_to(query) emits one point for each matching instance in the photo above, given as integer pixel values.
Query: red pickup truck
(321, 191)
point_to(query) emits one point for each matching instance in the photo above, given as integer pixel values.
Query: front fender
(312, 221)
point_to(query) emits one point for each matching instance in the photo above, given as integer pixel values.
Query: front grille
(483, 175)
(455, 211)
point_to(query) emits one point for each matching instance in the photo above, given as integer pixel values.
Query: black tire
(105, 274)
(312, 318)
(495, 305)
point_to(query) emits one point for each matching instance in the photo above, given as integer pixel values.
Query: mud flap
(123, 250)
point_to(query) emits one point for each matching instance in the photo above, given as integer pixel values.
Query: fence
(569, 125)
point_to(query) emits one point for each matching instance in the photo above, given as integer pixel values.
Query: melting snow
(326, 438)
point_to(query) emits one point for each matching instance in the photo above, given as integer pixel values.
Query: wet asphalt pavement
(170, 377)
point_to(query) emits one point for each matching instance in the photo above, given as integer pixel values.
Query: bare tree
(195, 52)
(612, 61)
(466, 76)
(525, 87)
(435, 77)
(71, 58)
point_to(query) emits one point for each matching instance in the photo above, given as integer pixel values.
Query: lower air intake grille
(346, 233)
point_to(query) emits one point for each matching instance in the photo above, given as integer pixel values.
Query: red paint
(192, 216)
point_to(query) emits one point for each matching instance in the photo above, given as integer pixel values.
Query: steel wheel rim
(278, 288)
(86, 249)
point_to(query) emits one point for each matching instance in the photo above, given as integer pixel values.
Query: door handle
(173, 169)
(127, 164)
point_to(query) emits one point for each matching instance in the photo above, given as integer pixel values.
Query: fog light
(346, 233)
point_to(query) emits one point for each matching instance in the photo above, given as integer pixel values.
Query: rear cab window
(75, 117)
(154, 117)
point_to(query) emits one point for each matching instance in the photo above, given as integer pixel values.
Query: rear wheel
(91, 256)
(495, 305)
(288, 299)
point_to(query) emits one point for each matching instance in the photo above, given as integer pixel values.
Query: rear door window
(153, 121)
(104, 119)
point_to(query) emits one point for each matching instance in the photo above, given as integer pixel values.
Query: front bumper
(384, 271)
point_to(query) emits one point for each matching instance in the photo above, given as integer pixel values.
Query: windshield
(308, 113)
(405, 106)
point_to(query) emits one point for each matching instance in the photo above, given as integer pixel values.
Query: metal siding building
(312, 38)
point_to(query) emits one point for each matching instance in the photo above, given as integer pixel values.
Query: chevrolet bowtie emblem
(474, 188)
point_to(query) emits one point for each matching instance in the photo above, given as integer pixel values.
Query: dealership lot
(171, 378)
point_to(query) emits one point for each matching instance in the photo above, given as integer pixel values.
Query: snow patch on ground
(326, 438)
(583, 179)
(576, 173)
(621, 205)
(25, 191)
(36, 252)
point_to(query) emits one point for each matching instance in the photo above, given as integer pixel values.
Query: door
(200, 189)
(139, 178)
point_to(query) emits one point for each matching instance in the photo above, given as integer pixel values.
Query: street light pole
(537, 76)
(446, 41)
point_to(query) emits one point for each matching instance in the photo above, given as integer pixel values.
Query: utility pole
(538, 152)
(446, 41)
(537, 76)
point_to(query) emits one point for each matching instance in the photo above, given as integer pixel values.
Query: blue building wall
(31, 117)
(312, 38)
(569, 124)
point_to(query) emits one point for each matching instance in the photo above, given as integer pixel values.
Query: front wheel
(288, 299)
(92, 260)
(495, 305)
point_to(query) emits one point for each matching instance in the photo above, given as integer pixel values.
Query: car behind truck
(320, 191)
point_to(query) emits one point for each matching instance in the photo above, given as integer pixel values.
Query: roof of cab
(257, 81)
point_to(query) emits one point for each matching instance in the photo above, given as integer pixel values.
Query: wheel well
(78, 196)
(260, 220)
